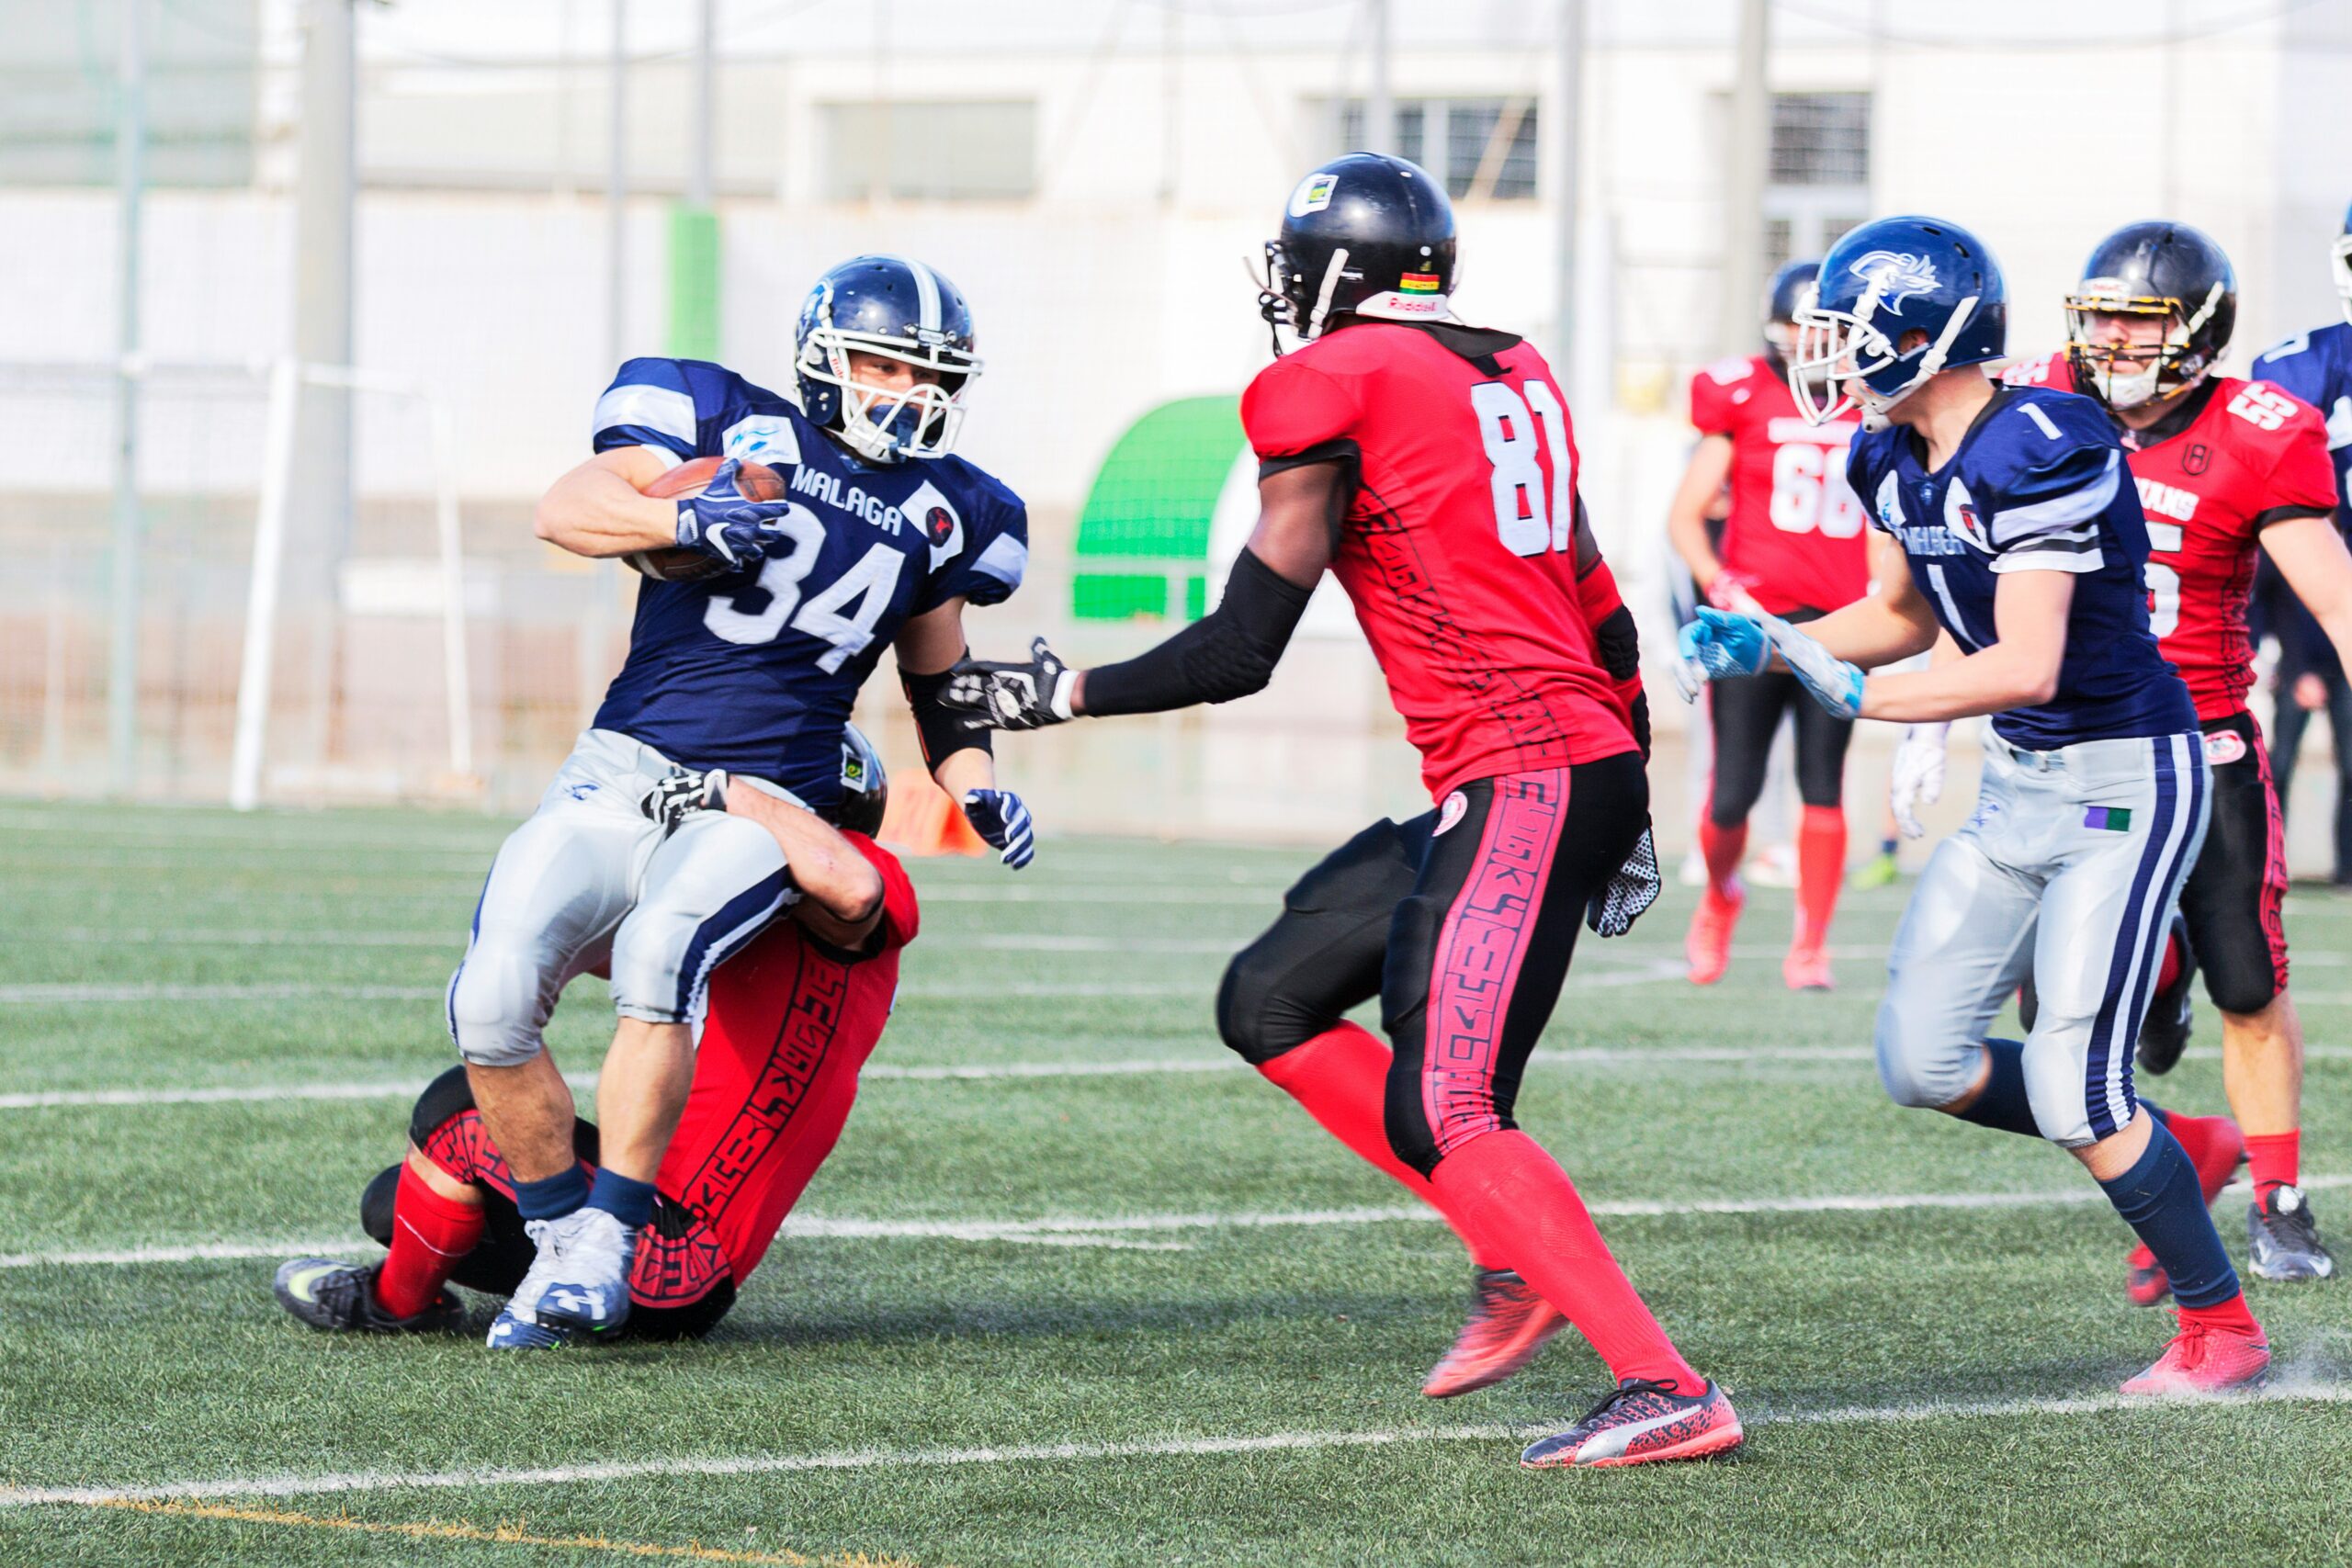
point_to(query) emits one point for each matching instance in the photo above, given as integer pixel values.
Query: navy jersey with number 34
(757, 671)
(2037, 484)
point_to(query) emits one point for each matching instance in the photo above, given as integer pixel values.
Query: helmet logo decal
(1894, 276)
(1314, 194)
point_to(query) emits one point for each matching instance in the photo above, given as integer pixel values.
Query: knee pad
(445, 1098)
(1918, 1071)
(1254, 1017)
(376, 1205)
(2055, 1086)
(2241, 987)
(1410, 1137)
(664, 951)
(494, 1002)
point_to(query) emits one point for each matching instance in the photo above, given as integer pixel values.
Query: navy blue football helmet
(2340, 257)
(1898, 300)
(901, 310)
(1365, 235)
(2166, 274)
(865, 785)
(1790, 286)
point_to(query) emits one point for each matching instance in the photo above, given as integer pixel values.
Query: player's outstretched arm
(1883, 627)
(840, 893)
(1229, 653)
(596, 509)
(2312, 559)
(2018, 669)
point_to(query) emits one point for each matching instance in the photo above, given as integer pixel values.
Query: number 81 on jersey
(1509, 425)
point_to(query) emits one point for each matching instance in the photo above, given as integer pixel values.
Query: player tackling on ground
(883, 538)
(1430, 466)
(793, 1019)
(2011, 525)
(2226, 469)
(1793, 545)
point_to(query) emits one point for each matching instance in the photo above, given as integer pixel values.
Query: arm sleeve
(939, 727)
(1229, 653)
(901, 916)
(651, 402)
(987, 559)
(2302, 482)
(2047, 517)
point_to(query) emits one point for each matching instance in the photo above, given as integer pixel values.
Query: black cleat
(2282, 1239)
(341, 1299)
(2164, 1033)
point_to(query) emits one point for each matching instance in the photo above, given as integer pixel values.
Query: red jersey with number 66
(1795, 535)
(1465, 550)
(2228, 460)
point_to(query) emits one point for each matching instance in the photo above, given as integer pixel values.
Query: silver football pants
(2069, 871)
(589, 881)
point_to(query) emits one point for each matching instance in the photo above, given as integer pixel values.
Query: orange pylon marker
(922, 820)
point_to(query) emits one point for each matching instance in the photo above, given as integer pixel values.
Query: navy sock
(1886, 848)
(2004, 1105)
(554, 1197)
(2160, 1199)
(628, 1200)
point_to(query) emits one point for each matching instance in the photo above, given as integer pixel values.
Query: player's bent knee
(2240, 990)
(376, 1205)
(495, 1000)
(444, 1099)
(1919, 1067)
(1256, 1015)
(2055, 1087)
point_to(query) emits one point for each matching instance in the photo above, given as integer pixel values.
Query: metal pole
(130, 180)
(706, 106)
(1749, 157)
(318, 534)
(1380, 108)
(259, 662)
(1567, 119)
(616, 186)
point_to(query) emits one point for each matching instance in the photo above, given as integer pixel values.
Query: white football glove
(1918, 775)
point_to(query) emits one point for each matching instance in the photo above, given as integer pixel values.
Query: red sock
(2171, 970)
(1518, 1195)
(1340, 1079)
(2231, 1314)
(2275, 1159)
(430, 1234)
(1723, 848)
(2205, 1140)
(1821, 870)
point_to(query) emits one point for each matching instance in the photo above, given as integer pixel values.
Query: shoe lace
(2294, 1226)
(1629, 1389)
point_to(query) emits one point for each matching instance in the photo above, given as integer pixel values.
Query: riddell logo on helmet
(1396, 304)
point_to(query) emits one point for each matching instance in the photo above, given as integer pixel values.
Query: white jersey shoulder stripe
(662, 409)
(2059, 512)
(1006, 560)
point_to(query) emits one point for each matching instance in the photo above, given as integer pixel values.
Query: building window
(1819, 173)
(931, 151)
(1485, 148)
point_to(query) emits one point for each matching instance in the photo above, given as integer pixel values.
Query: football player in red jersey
(1430, 466)
(793, 1018)
(2223, 467)
(1793, 545)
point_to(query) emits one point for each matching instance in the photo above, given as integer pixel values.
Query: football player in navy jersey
(742, 678)
(2008, 523)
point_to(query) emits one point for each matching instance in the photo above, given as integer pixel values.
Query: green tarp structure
(1154, 497)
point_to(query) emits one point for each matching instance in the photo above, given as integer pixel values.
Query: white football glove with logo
(1918, 775)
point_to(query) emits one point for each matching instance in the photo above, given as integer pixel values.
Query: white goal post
(287, 379)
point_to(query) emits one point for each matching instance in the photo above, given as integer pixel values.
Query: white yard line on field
(80, 993)
(1079, 1230)
(717, 1465)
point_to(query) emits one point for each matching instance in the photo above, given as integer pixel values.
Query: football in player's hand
(756, 481)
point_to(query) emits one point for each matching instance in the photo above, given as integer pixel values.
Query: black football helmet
(896, 307)
(1364, 235)
(2340, 258)
(865, 785)
(1789, 287)
(2168, 272)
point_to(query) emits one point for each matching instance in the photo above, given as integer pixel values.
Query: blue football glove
(725, 525)
(1000, 816)
(1718, 645)
(1828, 679)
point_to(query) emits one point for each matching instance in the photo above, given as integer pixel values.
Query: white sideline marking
(70, 993)
(1048, 1453)
(1100, 1230)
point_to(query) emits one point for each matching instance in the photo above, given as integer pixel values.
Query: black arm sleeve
(940, 728)
(1226, 654)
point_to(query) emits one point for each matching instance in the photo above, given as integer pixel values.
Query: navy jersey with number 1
(2316, 367)
(757, 671)
(2037, 484)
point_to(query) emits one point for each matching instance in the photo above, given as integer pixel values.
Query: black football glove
(726, 526)
(1019, 695)
(1002, 818)
(681, 795)
(1613, 909)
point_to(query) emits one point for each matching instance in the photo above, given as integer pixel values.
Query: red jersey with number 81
(1796, 534)
(2233, 458)
(1464, 552)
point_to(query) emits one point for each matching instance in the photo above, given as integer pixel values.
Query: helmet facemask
(886, 425)
(1290, 299)
(2339, 259)
(1842, 352)
(2165, 367)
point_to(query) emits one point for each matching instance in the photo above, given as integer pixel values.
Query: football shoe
(577, 1287)
(2164, 1033)
(2205, 1359)
(2144, 1281)
(341, 1299)
(1509, 1321)
(1708, 947)
(1642, 1423)
(2283, 1239)
(1806, 968)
